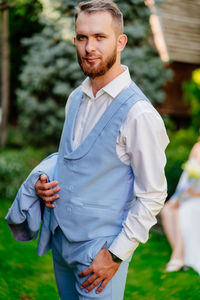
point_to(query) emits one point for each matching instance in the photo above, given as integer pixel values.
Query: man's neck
(101, 81)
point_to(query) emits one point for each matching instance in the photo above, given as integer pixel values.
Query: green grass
(24, 275)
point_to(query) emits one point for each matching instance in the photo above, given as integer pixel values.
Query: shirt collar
(113, 88)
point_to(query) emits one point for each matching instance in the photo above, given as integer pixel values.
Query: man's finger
(89, 281)
(43, 178)
(48, 193)
(50, 199)
(49, 204)
(86, 272)
(93, 285)
(102, 286)
(46, 186)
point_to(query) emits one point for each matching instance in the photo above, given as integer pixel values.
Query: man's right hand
(46, 190)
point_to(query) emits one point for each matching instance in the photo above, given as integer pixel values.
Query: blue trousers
(69, 259)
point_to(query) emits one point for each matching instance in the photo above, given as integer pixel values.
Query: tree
(49, 75)
(23, 22)
(51, 72)
(7, 6)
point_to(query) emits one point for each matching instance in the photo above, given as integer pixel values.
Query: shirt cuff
(123, 247)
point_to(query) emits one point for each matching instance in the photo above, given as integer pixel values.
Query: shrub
(192, 96)
(177, 153)
(15, 165)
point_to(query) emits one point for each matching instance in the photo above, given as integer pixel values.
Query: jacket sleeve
(24, 216)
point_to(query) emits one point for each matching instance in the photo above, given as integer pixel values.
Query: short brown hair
(93, 6)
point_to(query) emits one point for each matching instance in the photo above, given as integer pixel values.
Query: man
(111, 149)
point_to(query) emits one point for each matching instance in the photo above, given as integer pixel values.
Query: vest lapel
(84, 147)
(66, 144)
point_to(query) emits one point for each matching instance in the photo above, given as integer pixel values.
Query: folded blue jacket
(27, 211)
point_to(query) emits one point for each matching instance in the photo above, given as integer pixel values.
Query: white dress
(189, 218)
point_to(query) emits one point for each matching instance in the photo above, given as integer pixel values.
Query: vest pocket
(82, 202)
(98, 206)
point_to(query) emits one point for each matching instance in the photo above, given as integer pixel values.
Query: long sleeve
(145, 138)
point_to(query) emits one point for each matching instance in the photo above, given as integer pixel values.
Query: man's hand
(102, 269)
(46, 190)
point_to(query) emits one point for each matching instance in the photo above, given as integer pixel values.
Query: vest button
(70, 187)
(69, 209)
(73, 166)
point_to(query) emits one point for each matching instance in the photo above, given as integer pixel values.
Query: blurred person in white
(181, 216)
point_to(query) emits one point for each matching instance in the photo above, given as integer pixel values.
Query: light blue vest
(96, 187)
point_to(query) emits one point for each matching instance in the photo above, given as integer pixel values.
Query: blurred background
(38, 71)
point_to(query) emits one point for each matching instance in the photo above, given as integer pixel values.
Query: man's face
(96, 43)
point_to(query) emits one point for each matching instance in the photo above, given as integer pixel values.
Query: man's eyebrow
(80, 35)
(94, 34)
(100, 33)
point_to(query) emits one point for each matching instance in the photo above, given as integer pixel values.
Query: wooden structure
(176, 30)
(174, 105)
(180, 21)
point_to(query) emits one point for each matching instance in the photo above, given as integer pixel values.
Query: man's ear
(122, 40)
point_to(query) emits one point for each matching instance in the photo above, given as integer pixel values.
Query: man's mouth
(90, 59)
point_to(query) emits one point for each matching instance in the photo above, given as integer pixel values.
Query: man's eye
(81, 38)
(100, 37)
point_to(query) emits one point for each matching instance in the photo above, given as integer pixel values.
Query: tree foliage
(23, 22)
(192, 96)
(47, 81)
(51, 72)
(177, 153)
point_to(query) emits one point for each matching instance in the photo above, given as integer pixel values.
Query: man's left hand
(101, 270)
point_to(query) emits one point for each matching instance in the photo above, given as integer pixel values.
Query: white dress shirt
(141, 143)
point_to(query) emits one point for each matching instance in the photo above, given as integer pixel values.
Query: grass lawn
(24, 275)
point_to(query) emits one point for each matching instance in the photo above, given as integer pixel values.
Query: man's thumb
(43, 178)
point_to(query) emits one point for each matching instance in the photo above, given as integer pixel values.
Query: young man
(109, 178)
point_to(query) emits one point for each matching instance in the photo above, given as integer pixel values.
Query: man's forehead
(93, 20)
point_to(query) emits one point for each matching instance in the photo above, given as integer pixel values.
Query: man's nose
(90, 46)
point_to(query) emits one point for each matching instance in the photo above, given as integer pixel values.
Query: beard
(101, 68)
